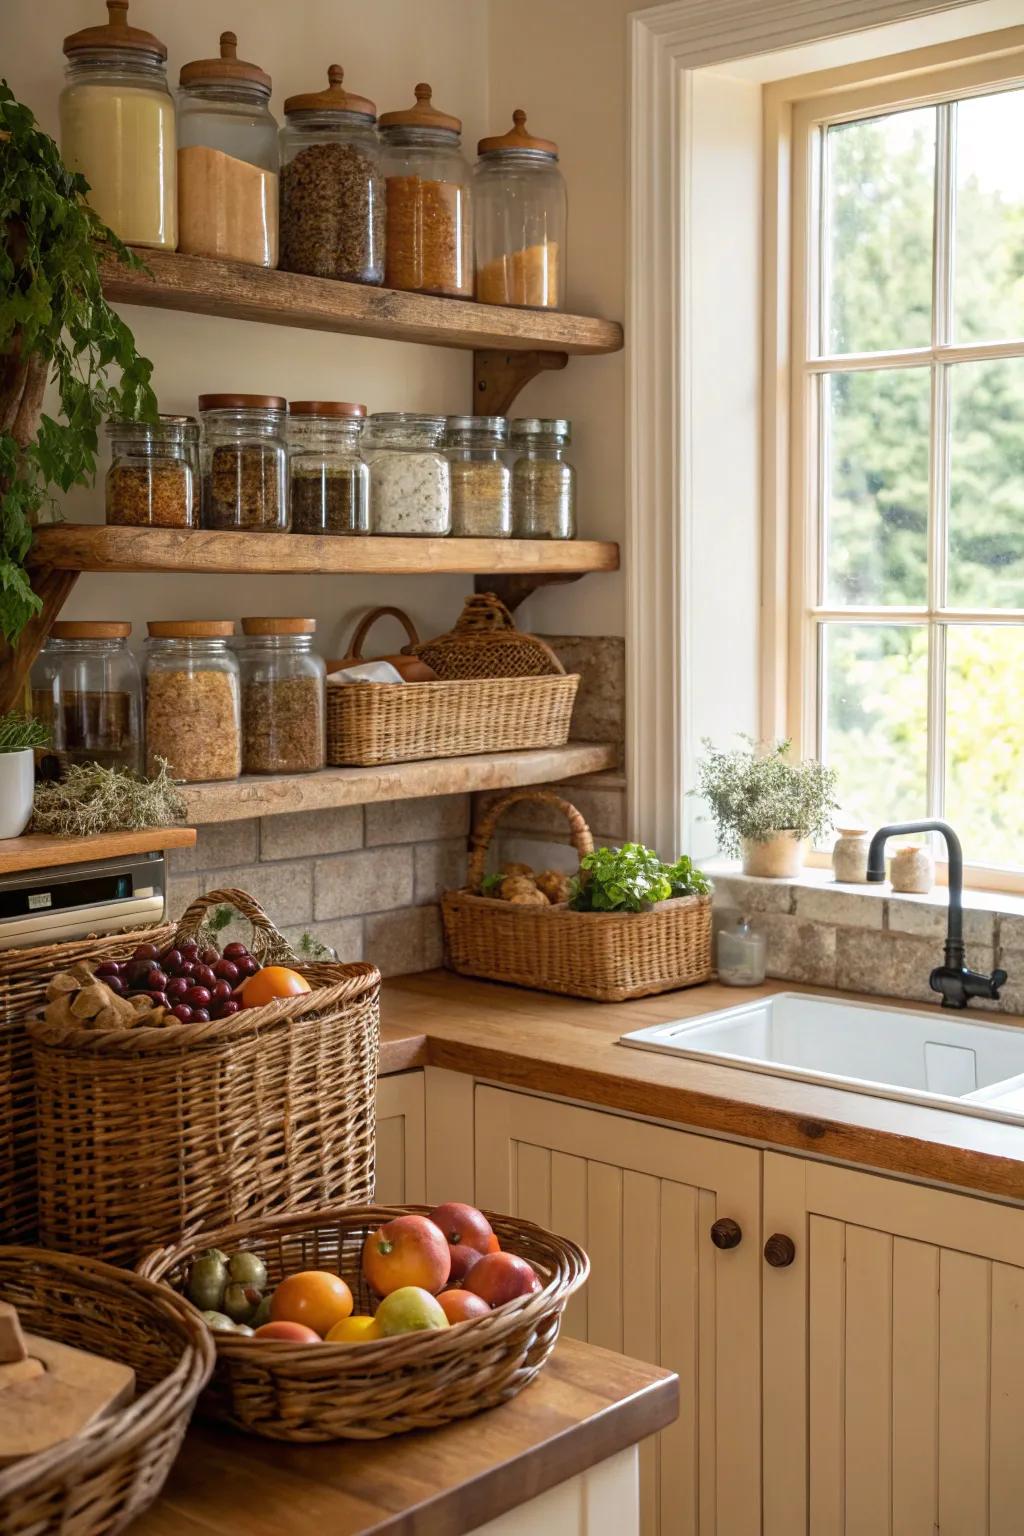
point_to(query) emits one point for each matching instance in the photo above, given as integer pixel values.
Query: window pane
(874, 717)
(879, 195)
(985, 741)
(989, 277)
(986, 518)
(876, 536)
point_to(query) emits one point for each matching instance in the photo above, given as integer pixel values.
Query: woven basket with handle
(365, 1391)
(98, 1482)
(146, 1133)
(486, 643)
(607, 956)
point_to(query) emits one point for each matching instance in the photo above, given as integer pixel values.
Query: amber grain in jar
(520, 215)
(283, 706)
(151, 481)
(244, 461)
(429, 216)
(193, 711)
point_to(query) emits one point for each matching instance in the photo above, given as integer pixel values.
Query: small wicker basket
(98, 1482)
(369, 1390)
(486, 643)
(607, 956)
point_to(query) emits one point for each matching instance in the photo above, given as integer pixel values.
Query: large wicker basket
(368, 1390)
(146, 1133)
(23, 977)
(607, 956)
(98, 1482)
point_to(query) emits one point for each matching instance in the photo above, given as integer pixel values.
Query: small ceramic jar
(912, 870)
(850, 856)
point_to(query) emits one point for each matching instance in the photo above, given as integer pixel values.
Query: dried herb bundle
(92, 799)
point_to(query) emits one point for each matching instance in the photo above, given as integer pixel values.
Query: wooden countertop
(547, 1044)
(585, 1405)
(37, 850)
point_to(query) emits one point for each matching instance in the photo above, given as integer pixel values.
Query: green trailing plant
(91, 799)
(19, 732)
(310, 948)
(54, 322)
(632, 879)
(754, 792)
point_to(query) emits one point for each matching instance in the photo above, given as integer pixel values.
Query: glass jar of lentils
(328, 481)
(151, 480)
(332, 188)
(543, 483)
(409, 478)
(193, 715)
(481, 481)
(283, 708)
(244, 461)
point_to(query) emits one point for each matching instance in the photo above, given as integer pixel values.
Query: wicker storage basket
(100, 1481)
(368, 1390)
(607, 956)
(23, 977)
(486, 643)
(145, 1133)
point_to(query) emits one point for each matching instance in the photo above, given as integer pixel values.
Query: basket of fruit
(185, 1087)
(99, 1375)
(356, 1323)
(627, 925)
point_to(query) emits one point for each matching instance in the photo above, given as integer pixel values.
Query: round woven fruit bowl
(367, 1390)
(102, 1478)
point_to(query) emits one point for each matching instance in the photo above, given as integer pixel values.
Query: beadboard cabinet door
(893, 1358)
(401, 1140)
(641, 1199)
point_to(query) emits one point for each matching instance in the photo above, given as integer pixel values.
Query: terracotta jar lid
(115, 33)
(517, 138)
(279, 626)
(334, 99)
(325, 408)
(191, 629)
(228, 69)
(90, 629)
(423, 115)
(242, 402)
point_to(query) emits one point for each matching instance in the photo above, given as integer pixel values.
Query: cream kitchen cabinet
(401, 1144)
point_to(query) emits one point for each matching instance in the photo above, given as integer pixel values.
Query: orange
(314, 1298)
(272, 982)
(354, 1330)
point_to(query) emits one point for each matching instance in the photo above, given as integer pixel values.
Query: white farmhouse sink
(920, 1056)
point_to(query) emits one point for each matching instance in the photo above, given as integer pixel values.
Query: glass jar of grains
(117, 128)
(283, 728)
(429, 224)
(520, 213)
(543, 483)
(244, 461)
(86, 687)
(332, 189)
(328, 481)
(193, 716)
(409, 479)
(152, 478)
(481, 481)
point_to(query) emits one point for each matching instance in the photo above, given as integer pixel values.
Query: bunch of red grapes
(193, 984)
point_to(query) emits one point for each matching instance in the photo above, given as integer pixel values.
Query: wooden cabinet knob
(779, 1250)
(726, 1233)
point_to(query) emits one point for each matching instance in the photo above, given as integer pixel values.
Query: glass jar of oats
(543, 482)
(193, 710)
(429, 247)
(244, 459)
(283, 728)
(481, 481)
(409, 478)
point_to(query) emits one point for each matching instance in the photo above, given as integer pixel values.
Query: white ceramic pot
(17, 786)
(780, 858)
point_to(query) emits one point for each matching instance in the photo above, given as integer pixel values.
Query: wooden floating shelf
(37, 850)
(232, 290)
(238, 799)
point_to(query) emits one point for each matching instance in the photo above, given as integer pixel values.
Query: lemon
(354, 1330)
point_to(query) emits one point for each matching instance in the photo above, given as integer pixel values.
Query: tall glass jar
(328, 480)
(86, 687)
(151, 480)
(332, 189)
(283, 707)
(543, 482)
(481, 481)
(193, 711)
(117, 128)
(409, 479)
(520, 214)
(244, 459)
(429, 223)
(227, 160)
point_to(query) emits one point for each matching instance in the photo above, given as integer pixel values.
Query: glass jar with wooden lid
(244, 459)
(193, 708)
(328, 479)
(332, 187)
(520, 215)
(86, 687)
(152, 478)
(429, 215)
(227, 159)
(117, 128)
(283, 707)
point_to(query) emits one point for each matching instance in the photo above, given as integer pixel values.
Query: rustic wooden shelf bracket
(514, 590)
(498, 376)
(54, 588)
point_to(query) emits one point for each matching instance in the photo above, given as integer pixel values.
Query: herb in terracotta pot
(764, 806)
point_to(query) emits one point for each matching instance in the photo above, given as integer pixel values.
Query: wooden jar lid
(334, 99)
(325, 408)
(242, 402)
(228, 68)
(90, 629)
(423, 115)
(191, 629)
(115, 33)
(279, 626)
(517, 138)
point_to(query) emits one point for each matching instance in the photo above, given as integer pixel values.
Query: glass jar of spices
(283, 707)
(193, 712)
(429, 246)
(543, 482)
(481, 481)
(409, 477)
(520, 214)
(86, 687)
(328, 480)
(152, 480)
(332, 188)
(244, 459)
